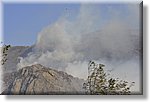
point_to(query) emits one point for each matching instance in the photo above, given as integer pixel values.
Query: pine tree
(98, 82)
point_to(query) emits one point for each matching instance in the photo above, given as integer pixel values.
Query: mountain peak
(37, 79)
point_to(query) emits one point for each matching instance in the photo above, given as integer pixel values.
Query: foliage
(4, 52)
(98, 82)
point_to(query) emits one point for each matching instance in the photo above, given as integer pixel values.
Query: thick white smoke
(69, 45)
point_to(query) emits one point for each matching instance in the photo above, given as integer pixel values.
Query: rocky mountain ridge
(37, 79)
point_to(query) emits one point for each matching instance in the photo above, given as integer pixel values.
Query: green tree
(98, 82)
(4, 54)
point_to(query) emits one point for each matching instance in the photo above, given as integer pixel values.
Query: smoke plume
(111, 39)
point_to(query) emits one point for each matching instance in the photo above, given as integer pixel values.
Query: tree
(4, 54)
(98, 82)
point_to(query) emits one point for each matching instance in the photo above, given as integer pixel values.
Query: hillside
(12, 58)
(37, 79)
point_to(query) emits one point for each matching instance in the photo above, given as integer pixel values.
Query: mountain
(12, 58)
(37, 79)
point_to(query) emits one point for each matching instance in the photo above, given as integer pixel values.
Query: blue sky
(22, 22)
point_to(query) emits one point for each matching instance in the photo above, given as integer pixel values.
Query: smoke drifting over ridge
(69, 45)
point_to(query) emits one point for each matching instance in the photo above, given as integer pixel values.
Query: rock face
(37, 79)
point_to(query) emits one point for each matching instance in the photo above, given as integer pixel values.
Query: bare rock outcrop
(37, 79)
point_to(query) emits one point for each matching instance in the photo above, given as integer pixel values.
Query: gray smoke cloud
(69, 45)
